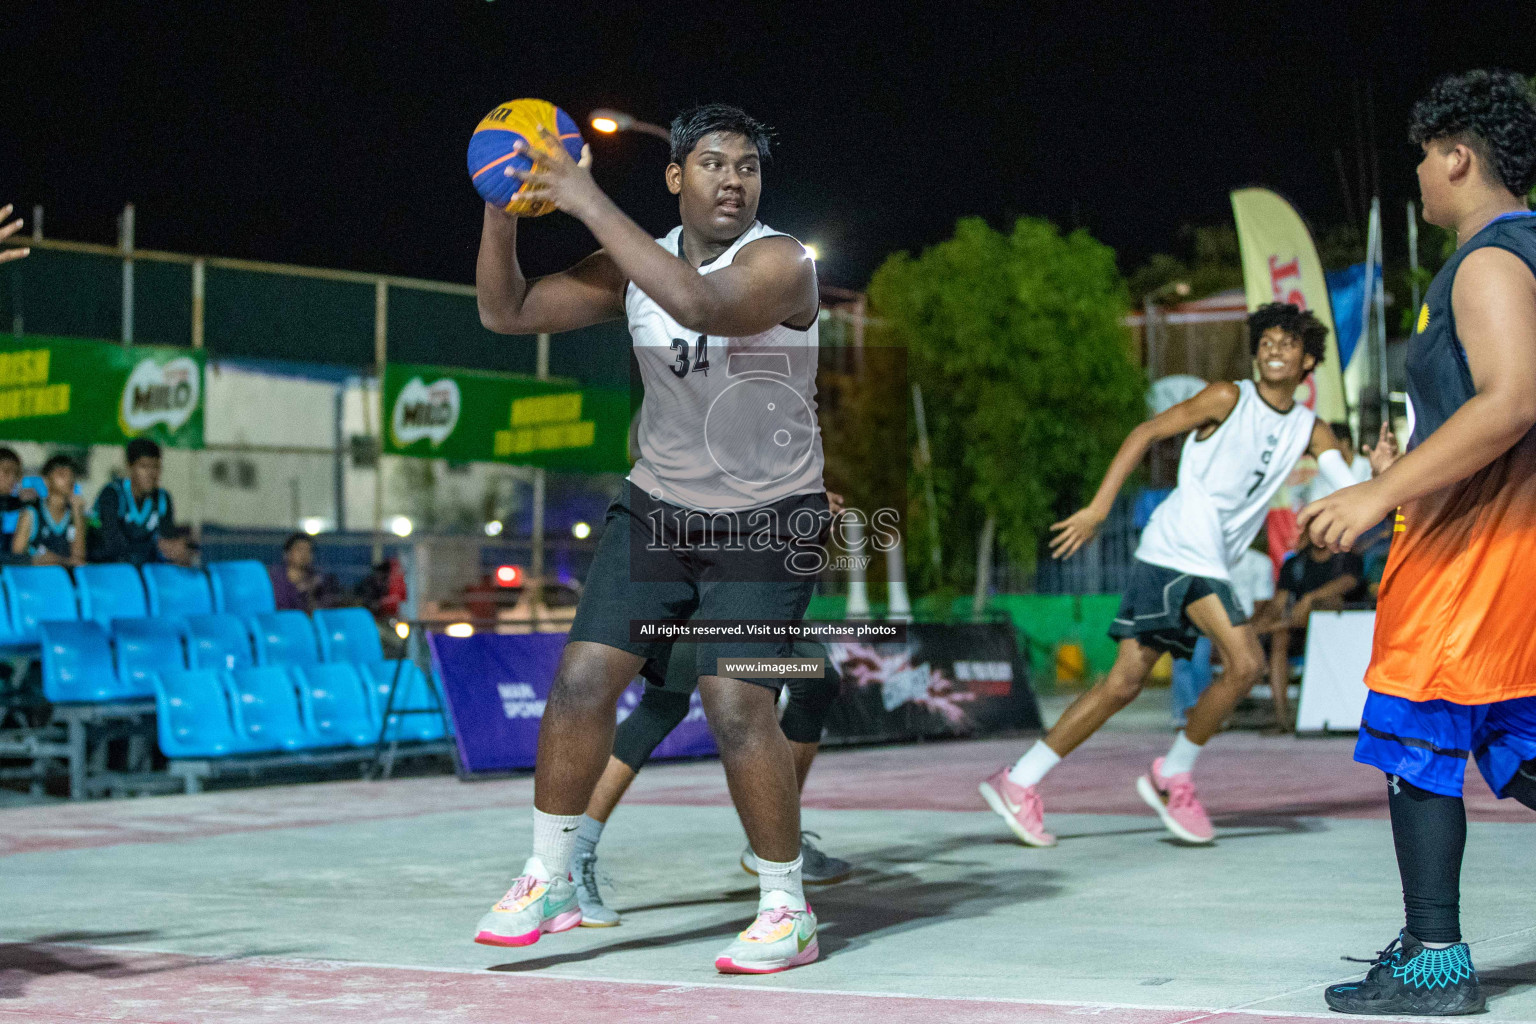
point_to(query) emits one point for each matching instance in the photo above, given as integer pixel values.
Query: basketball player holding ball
(719, 517)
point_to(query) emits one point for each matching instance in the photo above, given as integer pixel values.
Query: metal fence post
(380, 358)
(125, 243)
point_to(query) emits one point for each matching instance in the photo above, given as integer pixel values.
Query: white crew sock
(1031, 768)
(554, 840)
(1181, 756)
(587, 834)
(776, 877)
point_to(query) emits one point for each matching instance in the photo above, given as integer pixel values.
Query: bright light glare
(509, 575)
(605, 124)
(400, 526)
(493, 528)
(312, 525)
(581, 531)
(460, 629)
(402, 630)
(813, 252)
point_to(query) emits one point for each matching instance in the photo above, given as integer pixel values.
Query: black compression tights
(1430, 833)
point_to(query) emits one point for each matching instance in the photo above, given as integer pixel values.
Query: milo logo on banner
(425, 411)
(160, 393)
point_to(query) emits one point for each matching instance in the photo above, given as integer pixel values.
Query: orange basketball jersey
(1456, 617)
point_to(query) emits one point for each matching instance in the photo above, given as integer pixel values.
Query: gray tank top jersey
(727, 423)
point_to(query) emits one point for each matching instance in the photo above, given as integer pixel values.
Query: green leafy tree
(1029, 383)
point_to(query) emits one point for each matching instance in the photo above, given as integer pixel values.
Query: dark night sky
(333, 133)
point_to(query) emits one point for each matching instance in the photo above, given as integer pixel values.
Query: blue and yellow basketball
(490, 151)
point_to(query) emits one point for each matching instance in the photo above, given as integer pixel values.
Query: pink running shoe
(1020, 806)
(1173, 798)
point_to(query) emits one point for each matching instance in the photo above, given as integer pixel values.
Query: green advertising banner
(442, 412)
(76, 391)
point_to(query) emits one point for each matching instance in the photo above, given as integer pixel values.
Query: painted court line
(672, 987)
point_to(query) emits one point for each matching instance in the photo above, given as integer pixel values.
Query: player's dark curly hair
(1493, 113)
(692, 125)
(1293, 320)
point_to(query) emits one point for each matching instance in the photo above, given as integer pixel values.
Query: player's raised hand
(555, 177)
(1385, 452)
(1343, 517)
(6, 231)
(1074, 531)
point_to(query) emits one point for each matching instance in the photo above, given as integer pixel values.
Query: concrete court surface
(355, 901)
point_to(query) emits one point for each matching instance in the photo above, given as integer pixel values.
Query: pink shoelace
(520, 889)
(1181, 794)
(768, 920)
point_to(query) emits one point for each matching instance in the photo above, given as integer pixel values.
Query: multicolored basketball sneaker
(782, 937)
(1173, 798)
(1019, 806)
(1407, 978)
(530, 908)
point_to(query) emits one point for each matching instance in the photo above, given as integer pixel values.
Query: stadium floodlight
(460, 629)
(611, 121)
(401, 526)
(312, 525)
(581, 531)
(493, 528)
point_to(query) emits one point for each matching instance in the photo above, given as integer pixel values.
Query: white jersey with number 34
(727, 423)
(1225, 485)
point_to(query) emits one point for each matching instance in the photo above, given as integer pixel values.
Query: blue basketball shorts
(1428, 742)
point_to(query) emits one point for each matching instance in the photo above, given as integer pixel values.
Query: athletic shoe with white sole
(816, 868)
(529, 909)
(594, 912)
(1173, 798)
(1408, 978)
(1019, 806)
(780, 938)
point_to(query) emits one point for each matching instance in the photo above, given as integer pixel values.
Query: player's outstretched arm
(769, 282)
(590, 292)
(1494, 301)
(6, 231)
(1210, 407)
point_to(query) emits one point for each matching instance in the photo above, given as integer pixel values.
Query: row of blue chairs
(266, 709)
(34, 594)
(83, 662)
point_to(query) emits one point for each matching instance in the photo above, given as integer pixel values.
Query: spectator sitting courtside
(134, 513)
(51, 531)
(11, 504)
(1314, 580)
(297, 584)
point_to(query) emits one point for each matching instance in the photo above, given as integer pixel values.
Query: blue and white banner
(496, 686)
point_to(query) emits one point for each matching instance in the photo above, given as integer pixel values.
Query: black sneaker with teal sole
(1408, 979)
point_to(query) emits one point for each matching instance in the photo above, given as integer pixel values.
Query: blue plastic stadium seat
(39, 593)
(412, 693)
(267, 709)
(348, 634)
(111, 591)
(241, 588)
(219, 641)
(192, 715)
(335, 704)
(284, 638)
(145, 648)
(77, 663)
(10, 639)
(177, 590)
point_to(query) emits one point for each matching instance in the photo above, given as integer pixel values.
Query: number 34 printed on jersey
(681, 366)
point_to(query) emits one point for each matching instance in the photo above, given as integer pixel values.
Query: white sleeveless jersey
(726, 423)
(1225, 486)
